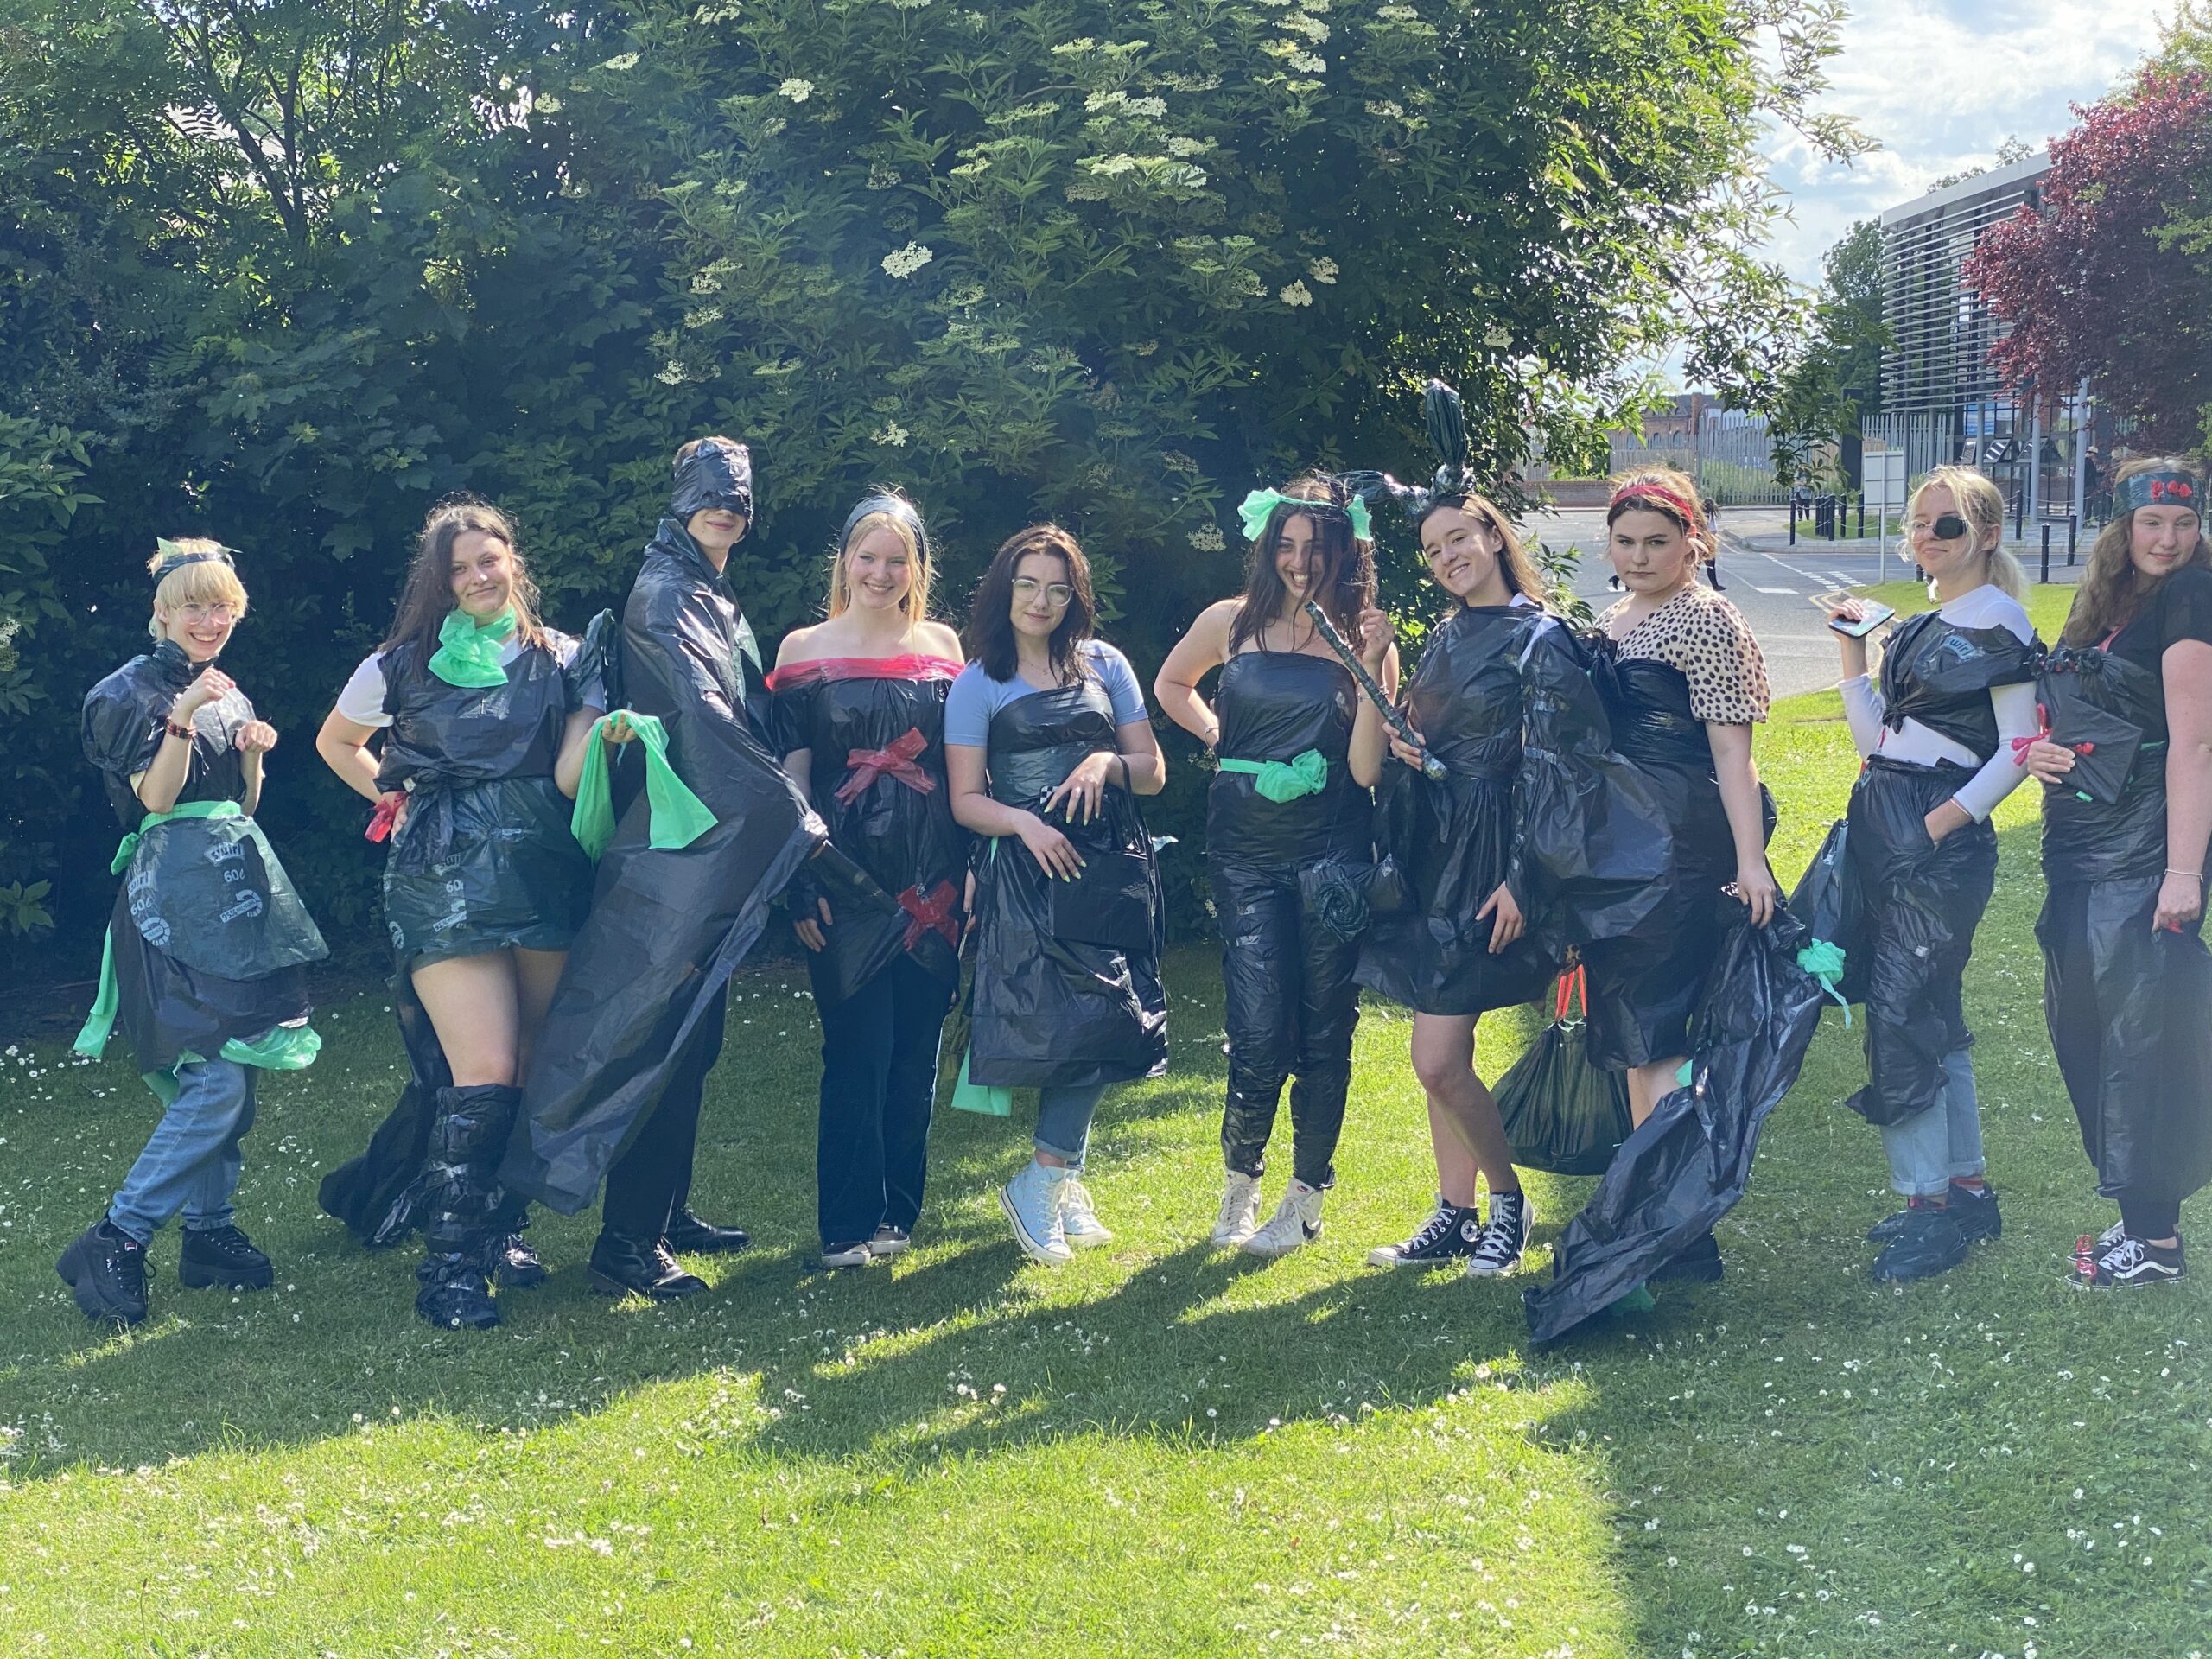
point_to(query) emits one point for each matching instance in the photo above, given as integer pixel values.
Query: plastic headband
(2156, 490)
(1257, 506)
(176, 558)
(895, 507)
(1656, 492)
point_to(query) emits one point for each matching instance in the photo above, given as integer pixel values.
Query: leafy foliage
(1838, 382)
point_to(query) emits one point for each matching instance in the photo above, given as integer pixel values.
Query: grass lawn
(1157, 1451)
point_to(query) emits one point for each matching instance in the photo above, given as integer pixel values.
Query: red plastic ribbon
(1683, 509)
(2022, 744)
(932, 914)
(899, 761)
(386, 818)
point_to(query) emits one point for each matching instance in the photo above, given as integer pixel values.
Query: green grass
(1157, 1451)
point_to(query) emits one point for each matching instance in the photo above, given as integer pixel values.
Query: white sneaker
(1239, 1218)
(890, 1241)
(1078, 1221)
(853, 1254)
(1032, 1203)
(1297, 1220)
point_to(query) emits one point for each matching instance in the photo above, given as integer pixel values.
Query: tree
(2109, 277)
(1838, 383)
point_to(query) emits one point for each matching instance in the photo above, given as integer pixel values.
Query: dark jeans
(651, 1180)
(879, 1080)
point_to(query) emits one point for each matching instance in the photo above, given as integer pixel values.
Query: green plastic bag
(679, 817)
(969, 1097)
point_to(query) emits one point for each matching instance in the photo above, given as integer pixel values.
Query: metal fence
(1732, 459)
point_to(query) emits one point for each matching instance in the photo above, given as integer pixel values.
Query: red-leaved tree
(2112, 279)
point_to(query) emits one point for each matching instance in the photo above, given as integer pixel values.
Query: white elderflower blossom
(796, 90)
(890, 433)
(1323, 271)
(1307, 61)
(904, 261)
(1208, 538)
(1296, 294)
(1498, 336)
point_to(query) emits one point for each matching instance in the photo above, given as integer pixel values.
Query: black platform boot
(468, 1138)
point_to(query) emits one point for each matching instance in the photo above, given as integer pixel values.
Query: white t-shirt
(362, 699)
(1917, 745)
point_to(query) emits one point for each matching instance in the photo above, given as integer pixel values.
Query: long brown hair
(426, 597)
(990, 639)
(1345, 585)
(1519, 570)
(2112, 590)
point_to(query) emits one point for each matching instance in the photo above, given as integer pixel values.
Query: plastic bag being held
(1828, 905)
(1561, 1112)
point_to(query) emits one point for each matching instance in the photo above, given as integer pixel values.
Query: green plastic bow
(1286, 780)
(467, 652)
(677, 816)
(1824, 962)
(1258, 505)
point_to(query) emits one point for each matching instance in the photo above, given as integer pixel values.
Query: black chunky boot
(105, 1268)
(468, 1138)
(640, 1266)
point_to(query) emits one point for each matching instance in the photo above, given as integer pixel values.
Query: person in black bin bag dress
(1689, 683)
(1458, 949)
(2126, 978)
(613, 1085)
(859, 716)
(1283, 812)
(1048, 746)
(485, 720)
(1957, 688)
(206, 951)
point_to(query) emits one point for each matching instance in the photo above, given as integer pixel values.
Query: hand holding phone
(1850, 614)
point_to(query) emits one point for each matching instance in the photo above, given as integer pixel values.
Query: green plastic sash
(468, 652)
(1281, 780)
(677, 816)
(91, 1040)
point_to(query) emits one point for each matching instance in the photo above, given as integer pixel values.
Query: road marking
(1758, 589)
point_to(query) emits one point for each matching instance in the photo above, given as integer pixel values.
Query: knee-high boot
(468, 1138)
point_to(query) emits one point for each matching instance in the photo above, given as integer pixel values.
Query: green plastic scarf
(679, 817)
(1281, 780)
(468, 652)
(91, 1040)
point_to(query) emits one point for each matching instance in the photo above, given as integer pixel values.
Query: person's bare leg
(472, 1006)
(1460, 1102)
(1649, 1084)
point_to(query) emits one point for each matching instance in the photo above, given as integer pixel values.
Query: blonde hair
(914, 604)
(204, 581)
(2112, 590)
(1981, 503)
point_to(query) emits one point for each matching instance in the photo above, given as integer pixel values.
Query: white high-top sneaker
(1297, 1220)
(1032, 1203)
(1239, 1218)
(1078, 1220)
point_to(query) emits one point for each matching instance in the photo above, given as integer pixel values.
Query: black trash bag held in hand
(668, 925)
(1687, 1164)
(1827, 903)
(1562, 1113)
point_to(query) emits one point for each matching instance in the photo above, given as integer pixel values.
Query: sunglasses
(1948, 528)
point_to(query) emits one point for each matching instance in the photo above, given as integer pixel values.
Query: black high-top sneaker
(1498, 1251)
(106, 1270)
(223, 1256)
(1446, 1236)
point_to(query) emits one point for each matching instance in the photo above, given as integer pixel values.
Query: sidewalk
(2029, 551)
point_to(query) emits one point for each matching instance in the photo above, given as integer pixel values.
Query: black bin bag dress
(1063, 1012)
(2126, 1003)
(206, 947)
(485, 861)
(1917, 902)
(1451, 839)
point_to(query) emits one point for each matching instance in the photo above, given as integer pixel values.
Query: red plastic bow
(2022, 744)
(932, 914)
(899, 761)
(386, 818)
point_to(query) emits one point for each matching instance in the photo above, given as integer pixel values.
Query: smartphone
(1876, 615)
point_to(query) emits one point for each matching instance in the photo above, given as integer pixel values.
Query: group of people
(588, 835)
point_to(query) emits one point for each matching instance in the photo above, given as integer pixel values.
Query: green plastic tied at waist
(99, 1024)
(1823, 960)
(281, 1048)
(677, 816)
(1286, 780)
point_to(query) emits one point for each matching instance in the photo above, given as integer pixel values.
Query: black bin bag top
(667, 927)
(1941, 674)
(1689, 1162)
(1049, 1010)
(2108, 820)
(1278, 705)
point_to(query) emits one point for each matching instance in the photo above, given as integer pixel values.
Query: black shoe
(1499, 1246)
(456, 1294)
(225, 1256)
(1446, 1236)
(1699, 1260)
(692, 1236)
(1928, 1243)
(511, 1264)
(2129, 1263)
(1974, 1210)
(628, 1267)
(106, 1270)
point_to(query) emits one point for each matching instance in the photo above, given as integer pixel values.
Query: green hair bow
(1260, 503)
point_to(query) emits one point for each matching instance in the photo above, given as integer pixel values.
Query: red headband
(1657, 492)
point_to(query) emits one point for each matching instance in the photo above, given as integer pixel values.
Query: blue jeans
(192, 1163)
(1928, 1150)
(1064, 1121)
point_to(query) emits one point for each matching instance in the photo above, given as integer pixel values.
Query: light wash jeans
(193, 1162)
(1928, 1150)
(1064, 1121)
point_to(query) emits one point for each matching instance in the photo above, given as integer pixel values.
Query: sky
(1940, 84)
